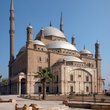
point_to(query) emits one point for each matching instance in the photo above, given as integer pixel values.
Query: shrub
(108, 94)
(71, 95)
(102, 100)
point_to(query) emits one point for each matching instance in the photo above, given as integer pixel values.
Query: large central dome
(52, 31)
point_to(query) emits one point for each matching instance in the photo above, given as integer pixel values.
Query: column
(19, 87)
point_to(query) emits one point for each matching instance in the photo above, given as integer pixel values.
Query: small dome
(70, 58)
(52, 31)
(22, 49)
(97, 42)
(38, 42)
(85, 52)
(61, 44)
(29, 26)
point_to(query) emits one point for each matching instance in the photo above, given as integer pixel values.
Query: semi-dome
(61, 44)
(34, 42)
(70, 58)
(52, 31)
(21, 73)
(38, 42)
(84, 51)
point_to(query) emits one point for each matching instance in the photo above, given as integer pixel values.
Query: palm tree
(44, 75)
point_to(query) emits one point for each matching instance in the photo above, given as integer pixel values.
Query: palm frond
(45, 74)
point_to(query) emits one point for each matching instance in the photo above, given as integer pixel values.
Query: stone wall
(4, 89)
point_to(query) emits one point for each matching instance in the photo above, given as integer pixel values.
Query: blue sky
(87, 20)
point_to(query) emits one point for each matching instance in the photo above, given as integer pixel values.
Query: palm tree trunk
(44, 89)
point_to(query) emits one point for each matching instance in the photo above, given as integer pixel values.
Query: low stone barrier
(38, 107)
(10, 100)
(80, 105)
(100, 107)
(87, 105)
(25, 107)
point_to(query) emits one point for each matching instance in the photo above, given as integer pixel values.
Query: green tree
(0, 77)
(44, 75)
(4, 82)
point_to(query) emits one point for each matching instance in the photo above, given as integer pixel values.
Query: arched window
(89, 64)
(87, 78)
(87, 89)
(47, 89)
(40, 59)
(40, 89)
(39, 68)
(71, 89)
(71, 77)
(57, 89)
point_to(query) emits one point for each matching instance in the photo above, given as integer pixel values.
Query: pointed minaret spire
(12, 7)
(12, 32)
(84, 47)
(73, 41)
(50, 24)
(61, 19)
(61, 23)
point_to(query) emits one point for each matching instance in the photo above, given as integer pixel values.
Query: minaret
(84, 47)
(12, 36)
(12, 32)
(29, 42)
(98, 67)
(50, 24)
(73, 41)
(97, 53)
(61, 23)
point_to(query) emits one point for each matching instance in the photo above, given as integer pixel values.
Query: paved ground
(21, 102)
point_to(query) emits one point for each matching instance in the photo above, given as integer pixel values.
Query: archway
(23, 86)
(80, 81)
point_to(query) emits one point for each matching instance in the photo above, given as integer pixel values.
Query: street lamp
(94, 95)
(82, 96)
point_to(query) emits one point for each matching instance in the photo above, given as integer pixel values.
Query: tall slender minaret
(12, 36)
(98, 66)
(12, 32)
(61, 23)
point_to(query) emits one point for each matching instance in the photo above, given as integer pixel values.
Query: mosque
(75, 71)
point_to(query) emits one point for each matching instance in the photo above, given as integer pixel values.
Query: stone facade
(74, 71)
